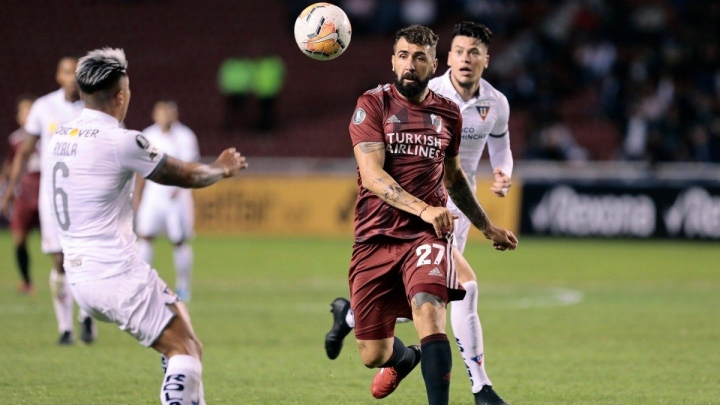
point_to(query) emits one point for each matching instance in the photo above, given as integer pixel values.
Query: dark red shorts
(25, 215)
(386, 274)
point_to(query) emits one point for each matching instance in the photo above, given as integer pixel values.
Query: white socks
(182, 384)
(62, 301)
(145, 250)
(468, 335)
(183, 257)
(350, 318)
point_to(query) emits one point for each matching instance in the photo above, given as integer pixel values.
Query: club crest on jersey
(483, 111)
(436, 123)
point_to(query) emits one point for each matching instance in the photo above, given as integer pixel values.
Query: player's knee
(374, 356)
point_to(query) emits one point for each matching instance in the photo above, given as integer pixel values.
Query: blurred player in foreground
(406, 141)
(485, 114)
(165, 208)
(92, 163)
(46, 115)
(24, 214)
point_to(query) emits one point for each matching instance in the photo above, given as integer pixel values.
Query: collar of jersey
(447, 83)
(99, 115)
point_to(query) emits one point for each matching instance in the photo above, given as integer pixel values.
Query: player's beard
(413, 89)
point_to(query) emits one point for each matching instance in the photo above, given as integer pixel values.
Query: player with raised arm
(485, 113)
(406, 141)
(92, 163)
(24, 214)
(163, 208)
(46, 115)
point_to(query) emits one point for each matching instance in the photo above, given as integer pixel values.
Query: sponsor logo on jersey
(359, 116)
(483, 111)
(76, 132)
(436, 123)
(403, 143)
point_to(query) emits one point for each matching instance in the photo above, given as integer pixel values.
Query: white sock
(82, 314)
(145, 250)
(350, 318)
(164, 365)
(183, 257)
(62, 301)
(468, 335)
(182, 384)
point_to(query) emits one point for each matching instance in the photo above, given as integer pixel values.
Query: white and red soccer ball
(323, 31)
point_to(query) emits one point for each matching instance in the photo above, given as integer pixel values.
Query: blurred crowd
(647, 69)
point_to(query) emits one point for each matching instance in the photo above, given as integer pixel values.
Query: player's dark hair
(418, 35)
(100, 69)
(473, 30)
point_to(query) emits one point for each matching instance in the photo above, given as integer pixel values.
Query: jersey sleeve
(137, 154)
(453, 148)
(501, 124)
(366, 123)
(499, 140)
(33, 123)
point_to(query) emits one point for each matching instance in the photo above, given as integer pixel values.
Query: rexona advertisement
(648, 209)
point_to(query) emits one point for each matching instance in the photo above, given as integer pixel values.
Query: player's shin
(62, 301)
(436, 365)
(468, 335)
(182, 384)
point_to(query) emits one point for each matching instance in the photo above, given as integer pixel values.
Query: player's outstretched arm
(464, 198)
(175, 172)
(371, 158)
(18, 167)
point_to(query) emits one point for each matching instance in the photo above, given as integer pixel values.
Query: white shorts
(49, 235)
(174, 218)
(462, 229)
(137, 301)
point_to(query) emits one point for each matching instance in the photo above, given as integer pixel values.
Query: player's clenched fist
(441, 219)
(231, 161)
(502, 238)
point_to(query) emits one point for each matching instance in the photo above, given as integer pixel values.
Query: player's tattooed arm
(175, 172)
(371, 159)
(463, 195)
(369, 147)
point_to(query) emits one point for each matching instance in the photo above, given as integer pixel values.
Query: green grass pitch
(565, 322)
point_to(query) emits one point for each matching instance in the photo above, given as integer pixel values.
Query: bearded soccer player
(92, 162)
(406, 142)
(46, 115)
(485, 113)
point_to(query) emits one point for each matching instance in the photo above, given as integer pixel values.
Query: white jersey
(45, 116)
(48, 113)
(485, 120)
(91, 162)
(180, 142)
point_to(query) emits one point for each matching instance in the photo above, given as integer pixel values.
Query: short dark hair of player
(473, 30)
(418, 35)
(100, 70)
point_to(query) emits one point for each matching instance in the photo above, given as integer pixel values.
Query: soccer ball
(322, 31)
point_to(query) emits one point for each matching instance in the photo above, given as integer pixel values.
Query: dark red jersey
(417, 138)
